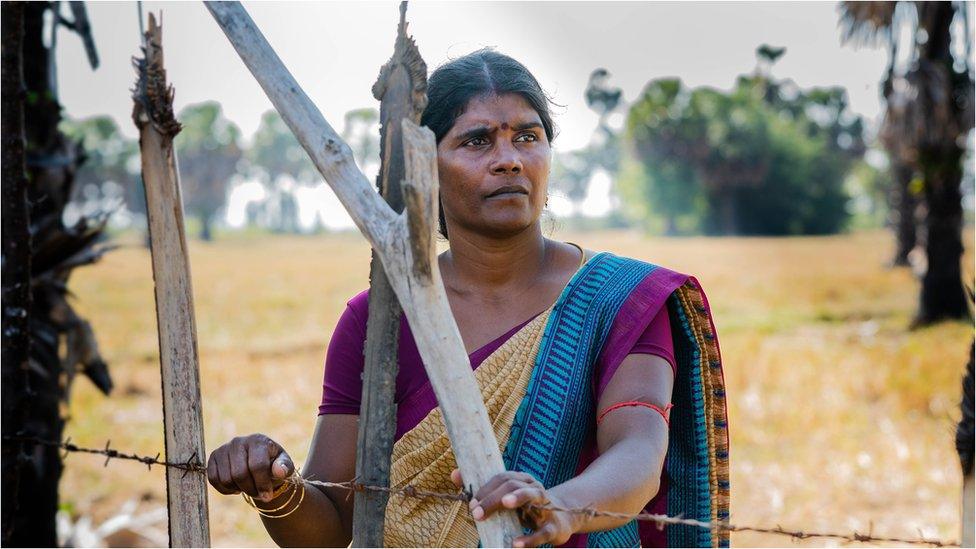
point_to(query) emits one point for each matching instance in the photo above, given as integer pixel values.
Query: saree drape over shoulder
(540, 393)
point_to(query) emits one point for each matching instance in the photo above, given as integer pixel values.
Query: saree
(539, 392)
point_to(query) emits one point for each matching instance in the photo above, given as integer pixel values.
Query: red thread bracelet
(665, 413)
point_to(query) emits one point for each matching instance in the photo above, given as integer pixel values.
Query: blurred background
(810, 163)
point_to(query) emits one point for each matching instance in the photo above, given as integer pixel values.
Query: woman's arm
(257, 465)
(632, 442)
(324, 519)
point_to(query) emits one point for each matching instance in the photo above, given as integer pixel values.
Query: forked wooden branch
(182, 408)
(405, 246)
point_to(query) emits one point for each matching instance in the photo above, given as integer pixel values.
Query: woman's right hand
(253, 464)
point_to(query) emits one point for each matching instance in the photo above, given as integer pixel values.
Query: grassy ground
(841, 418)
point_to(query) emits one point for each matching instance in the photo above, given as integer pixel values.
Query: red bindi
(504, 126)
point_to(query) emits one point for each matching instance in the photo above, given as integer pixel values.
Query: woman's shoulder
(356, 313)
(359, 303)
(352, 321)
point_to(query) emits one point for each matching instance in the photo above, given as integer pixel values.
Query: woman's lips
(509, 191)
(509, 194)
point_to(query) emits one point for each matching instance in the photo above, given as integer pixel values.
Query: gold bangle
(297, 505)
(280, 490)
(250, 500)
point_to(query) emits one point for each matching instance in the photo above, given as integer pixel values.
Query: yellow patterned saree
(537, 388)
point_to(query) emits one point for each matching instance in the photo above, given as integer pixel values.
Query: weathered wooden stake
(182, 409)
(401, 90)
(404, 243)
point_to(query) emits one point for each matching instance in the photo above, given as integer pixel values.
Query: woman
(579, 357)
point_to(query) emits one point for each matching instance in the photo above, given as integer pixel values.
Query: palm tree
(60, 344)
(929, 112)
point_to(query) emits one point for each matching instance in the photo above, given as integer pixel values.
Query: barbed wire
(189, 466)
(192, 465)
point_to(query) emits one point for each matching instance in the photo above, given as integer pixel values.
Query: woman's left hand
(514, 490)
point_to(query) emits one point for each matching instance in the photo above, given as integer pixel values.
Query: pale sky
(335, 49)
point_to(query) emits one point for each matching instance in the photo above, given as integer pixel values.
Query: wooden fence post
(186, 494)
(401, 91)
(405, 245)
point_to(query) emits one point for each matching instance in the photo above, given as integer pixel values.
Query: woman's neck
(479, 264)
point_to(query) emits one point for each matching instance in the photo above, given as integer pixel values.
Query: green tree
(110, 163)
(665, 180)
(869, 187)
(208, 151)
(279, 161)
(572, 171)
(764, 158)
(361, 132)
(275, 152)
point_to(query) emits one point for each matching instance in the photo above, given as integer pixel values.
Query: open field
(841, 419)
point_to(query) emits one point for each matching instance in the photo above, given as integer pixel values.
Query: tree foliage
(110, 170)
(361, 132)
(275, 152)
(572, 171)
(764, 158)
(277, 159)
(208, 149)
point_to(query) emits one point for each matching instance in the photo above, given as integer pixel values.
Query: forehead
(494, 110)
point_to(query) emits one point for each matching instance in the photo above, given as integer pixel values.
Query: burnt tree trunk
(904, 205)
(16, 259)
(50, 168)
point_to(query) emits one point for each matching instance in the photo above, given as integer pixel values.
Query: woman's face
(494, 167)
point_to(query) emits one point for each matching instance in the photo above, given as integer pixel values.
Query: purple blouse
(343, 384)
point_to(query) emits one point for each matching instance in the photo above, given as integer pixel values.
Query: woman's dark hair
(478, 74)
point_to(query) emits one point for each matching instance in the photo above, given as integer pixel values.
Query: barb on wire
(110, 453)
(190, 465)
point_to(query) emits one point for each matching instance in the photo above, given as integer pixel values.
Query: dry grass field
(841, 418)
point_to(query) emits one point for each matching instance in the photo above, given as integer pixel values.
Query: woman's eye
(476, 142)
(526, 138)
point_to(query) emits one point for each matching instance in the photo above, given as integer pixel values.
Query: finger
(283, 466)
(493, 501)
(213, 474)
(493, 484)
(239, 470)
(224, 473)
(456, 478)
(259, 464)
(524, 477)
(543, 535)
(523, 496)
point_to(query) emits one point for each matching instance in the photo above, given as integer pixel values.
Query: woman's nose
(507, 161)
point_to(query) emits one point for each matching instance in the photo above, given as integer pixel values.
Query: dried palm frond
(866, 23)
(60, 250)
(63, 343)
